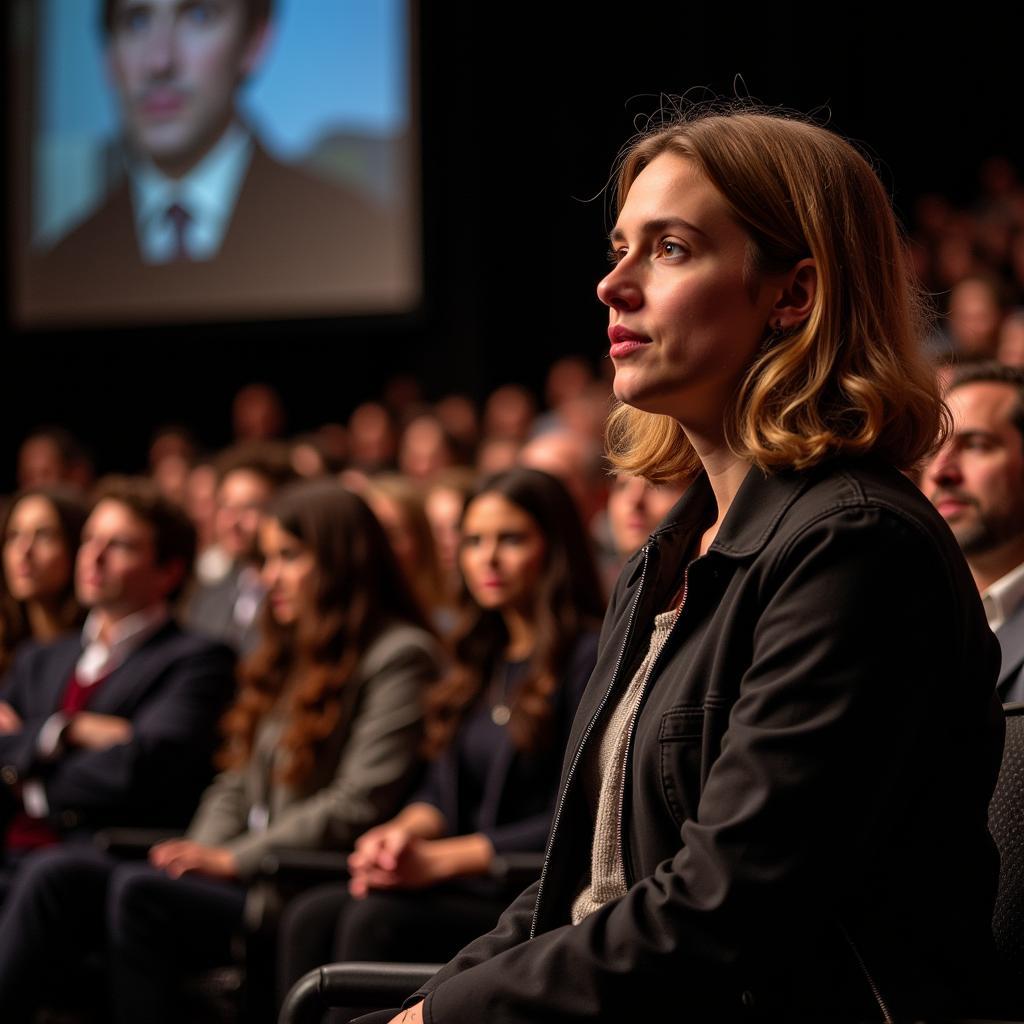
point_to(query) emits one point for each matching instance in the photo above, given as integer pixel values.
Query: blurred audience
(400, 508)
(172, 454)
(320, 742)
(445, 500)
(116, 726)
(496, 728)
(635, 508)
(51, 455)
(226, 607)
(257, 414)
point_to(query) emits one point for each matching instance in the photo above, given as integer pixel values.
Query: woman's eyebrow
(654, 226)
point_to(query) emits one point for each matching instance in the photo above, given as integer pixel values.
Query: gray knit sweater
(603, 779)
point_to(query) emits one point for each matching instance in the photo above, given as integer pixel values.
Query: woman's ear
(799, 289)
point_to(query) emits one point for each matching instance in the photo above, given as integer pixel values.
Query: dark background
(520, 128)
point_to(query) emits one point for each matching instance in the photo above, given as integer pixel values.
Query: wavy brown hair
(853, 377)
(72, 511)
(357, 590)
(566, 603)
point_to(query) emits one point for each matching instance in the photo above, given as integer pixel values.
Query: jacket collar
(759, 506)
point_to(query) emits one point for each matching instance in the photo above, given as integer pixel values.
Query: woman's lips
(624, 341)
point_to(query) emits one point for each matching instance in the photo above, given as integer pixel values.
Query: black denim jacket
(804, 814)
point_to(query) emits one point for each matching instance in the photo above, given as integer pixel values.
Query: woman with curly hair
(40, 534)
(321, 742)
(496, 726)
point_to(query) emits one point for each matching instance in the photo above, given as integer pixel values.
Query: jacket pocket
(680, 738)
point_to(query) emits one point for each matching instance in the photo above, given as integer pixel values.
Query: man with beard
(976, 481)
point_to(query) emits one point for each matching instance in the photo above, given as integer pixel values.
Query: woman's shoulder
(399, 640)
(857, 490)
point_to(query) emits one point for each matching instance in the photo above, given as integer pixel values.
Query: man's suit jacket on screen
(172, 689)
(295, 244)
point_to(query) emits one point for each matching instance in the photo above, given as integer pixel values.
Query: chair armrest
(362, 984)
(287, 863)
(131, 843)
(517, 870)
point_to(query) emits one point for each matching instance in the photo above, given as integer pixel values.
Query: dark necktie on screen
(180, 220)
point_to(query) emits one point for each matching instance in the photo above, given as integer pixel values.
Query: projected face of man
(177, 65)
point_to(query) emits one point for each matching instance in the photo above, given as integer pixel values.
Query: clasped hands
(390, 856)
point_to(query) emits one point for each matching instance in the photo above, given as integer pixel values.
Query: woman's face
(37, 562)
(685, 314)
(288, 572)
(502, 554)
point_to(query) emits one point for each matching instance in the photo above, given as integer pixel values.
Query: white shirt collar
(127, 635)
(1003, 597)
(208, 193)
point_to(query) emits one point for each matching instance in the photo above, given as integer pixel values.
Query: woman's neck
(726, 472)
(43, 620)
(521, 635)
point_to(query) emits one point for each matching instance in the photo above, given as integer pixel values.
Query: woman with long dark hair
(320, 742)
(495, 730)
(40, 533)
(774, 796)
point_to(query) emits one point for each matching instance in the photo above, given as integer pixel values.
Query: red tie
(180, 219)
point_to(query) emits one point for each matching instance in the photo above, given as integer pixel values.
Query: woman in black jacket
(773, 803)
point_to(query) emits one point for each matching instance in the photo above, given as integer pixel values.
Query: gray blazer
(1011, 644)
(361, 777)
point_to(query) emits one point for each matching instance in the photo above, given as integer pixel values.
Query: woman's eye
(616, 255)
(671, 249)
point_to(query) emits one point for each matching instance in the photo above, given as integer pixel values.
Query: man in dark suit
(115, 726)
(207, 220)
(977, 482)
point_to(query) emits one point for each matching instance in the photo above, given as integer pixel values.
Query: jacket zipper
(875, 991)
(583, 742)
(627, 756)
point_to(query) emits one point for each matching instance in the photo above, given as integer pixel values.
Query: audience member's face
(444, 509)
(289, 568)
(40, 463)
(974, 319)
(240, 501)
(502, 553)
(635, 508)
(117, 570)
(257, 414)
(37, 562)
(977, 480)
(176, 65)
(1011, 342)
(424, 449)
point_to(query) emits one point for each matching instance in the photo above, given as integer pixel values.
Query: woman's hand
(179, 857)
(423, 862)
(377, 855)
(414, 1015)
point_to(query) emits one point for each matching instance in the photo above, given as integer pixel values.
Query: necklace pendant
(500, 714)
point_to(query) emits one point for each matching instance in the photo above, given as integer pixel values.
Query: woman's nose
(619, 290)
